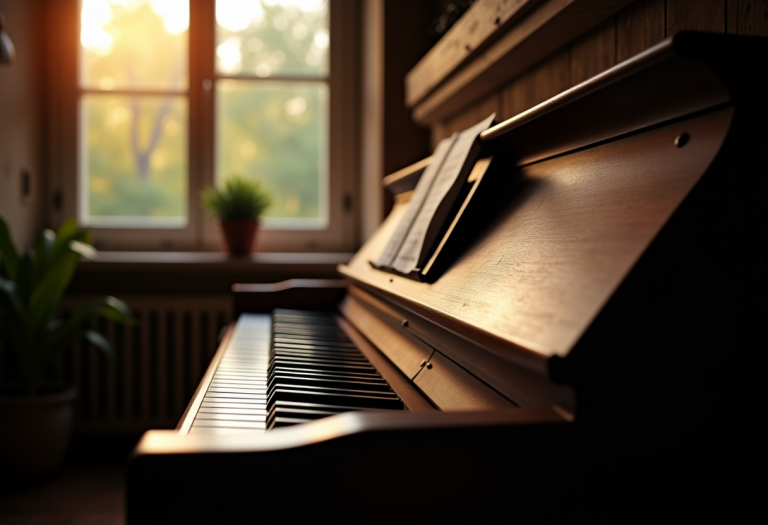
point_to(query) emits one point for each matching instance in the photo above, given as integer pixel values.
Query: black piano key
(323, 364)
(329, 390)
(331, 398)
(284, 340)
(338, 409)
(290, 369)
(317, 348)
(338, 383)
(322, 355)
(331, 375)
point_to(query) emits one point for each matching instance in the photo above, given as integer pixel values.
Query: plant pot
(239, 235)
(35, 430)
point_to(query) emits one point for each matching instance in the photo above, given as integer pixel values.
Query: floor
(89, 489)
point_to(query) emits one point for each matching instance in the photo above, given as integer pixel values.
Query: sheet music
(419, 195)
(408, 256)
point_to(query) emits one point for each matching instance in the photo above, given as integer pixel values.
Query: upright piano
(593, 348)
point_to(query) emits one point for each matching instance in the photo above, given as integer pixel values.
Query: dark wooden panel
(299, 294)
(471, 115)
(695, 15)
(474, 31)
(537, 85)
(748, 17)
(594, 52)
(543, 31)
(638, 27)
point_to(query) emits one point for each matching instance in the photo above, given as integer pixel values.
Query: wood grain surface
(548, 27)
(533, 281)
(474, 29)
(630, 31)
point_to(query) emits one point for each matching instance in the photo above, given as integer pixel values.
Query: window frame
(200, 234)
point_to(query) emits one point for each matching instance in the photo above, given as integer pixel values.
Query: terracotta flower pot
(239, 235)
(35, 430)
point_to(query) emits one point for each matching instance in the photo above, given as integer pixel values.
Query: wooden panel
(638, 27)
(695, 15)
(402, 385)
(473, 115)
(594, 52)
(530, 286)
(452, 389)
(485, 19)
(553, 24)
(402, 349)
(748, 17)
(541, 83)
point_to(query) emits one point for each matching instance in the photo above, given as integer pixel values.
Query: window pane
(133, 161)
(134, 44)
(268, 37)
(276, 132)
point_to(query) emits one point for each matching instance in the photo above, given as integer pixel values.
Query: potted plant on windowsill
(35, 415)
(238, 203)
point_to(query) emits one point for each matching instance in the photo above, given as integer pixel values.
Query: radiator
(158, 364)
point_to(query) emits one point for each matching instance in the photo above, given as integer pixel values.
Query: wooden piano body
(608, 286)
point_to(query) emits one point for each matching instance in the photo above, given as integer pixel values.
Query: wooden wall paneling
(594, 52)
(470, 33)
(552, 76)
(695, 15)
(473, 114)
(747, 17)
(437, 133)
(638, 27)
(544, 81)
(544, 30)
(517, 96)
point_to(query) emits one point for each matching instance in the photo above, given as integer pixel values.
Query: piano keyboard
(288, 368)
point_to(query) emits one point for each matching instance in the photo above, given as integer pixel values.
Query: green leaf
(100, 342)
(11, 320)
(8, 254)
(25, 279)
(237, 197)
(108, 307)
(49, 291)
(43, 250)
(85, 250)
(8, 292)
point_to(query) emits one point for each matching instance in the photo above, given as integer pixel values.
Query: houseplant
(237, 203)
(36, 416)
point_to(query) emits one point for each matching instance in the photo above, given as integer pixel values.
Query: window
(174, 96)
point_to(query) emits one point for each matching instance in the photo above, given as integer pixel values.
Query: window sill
(196, 272)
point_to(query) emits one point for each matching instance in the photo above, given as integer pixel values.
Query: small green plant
(237, 198)
(31, 286)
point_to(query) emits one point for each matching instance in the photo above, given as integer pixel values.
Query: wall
(21, 122)
(394, 38)
(630, 31)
